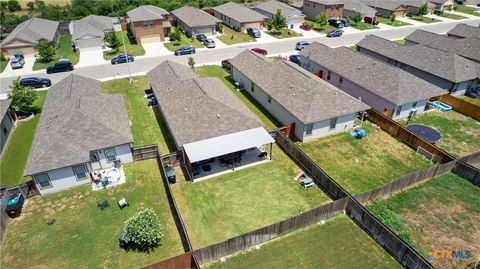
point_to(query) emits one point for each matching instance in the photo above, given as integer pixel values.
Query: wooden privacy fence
(463, 107)
(4, 218)
(183, 261)
(28, 189)
(406, 136)
(473, 158)
(145, 152)
(174, 158)
(468, 172)
(270, 232)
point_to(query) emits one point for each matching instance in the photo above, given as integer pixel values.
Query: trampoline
(425, 132)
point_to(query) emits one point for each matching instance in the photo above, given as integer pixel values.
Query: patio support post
(271, 151)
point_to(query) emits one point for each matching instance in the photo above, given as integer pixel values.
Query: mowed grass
(230, 36)
(132, 49)
(363, 25)
(442, 213)
(184, 41)
(216, 71)
(16, 152)
(339, 243)
(396, 23)
(467, 10)
(475, 101)
(225, 206)
(452, 16)
(3, 64)
(284, 33)
(147, 127)
(321, 29)
(424, 19)
(363, 164)
(82, 235)
(63, 50)
(460, 134)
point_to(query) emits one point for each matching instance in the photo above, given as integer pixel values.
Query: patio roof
(226, 144)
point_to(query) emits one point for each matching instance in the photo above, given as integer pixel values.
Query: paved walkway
(27, 68)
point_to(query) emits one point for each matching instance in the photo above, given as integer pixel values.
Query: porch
(107, 178)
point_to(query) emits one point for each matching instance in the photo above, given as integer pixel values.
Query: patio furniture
(307, 182)
(196, 170)
(103, 204)
(122, 203)
(117, 164)
(262, 155)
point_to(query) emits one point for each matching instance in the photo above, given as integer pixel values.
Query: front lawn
(63, 50)
(363, 164)
(132, 49)
(3, 64)
(424, 19)
(396, 23)
(16, 152)
(452, 16)
(185, 41)
(467, 10)
(230, 36)
(283, 33)
(147, 128)
(363, 26)
(475, 101)
(82, 235)
(228, 205)
(321, 29)
(339, 243)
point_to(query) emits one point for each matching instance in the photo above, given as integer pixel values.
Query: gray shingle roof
(297, 4)
(416, 3)
(359, 7)
(392, 84)
(465, 30)
(147, 13)
(438, 1)
(466, 47)
(307, 97)
(4, 105)
(197, 108)
(442, 64)
(239, 12)
(272, 6)
(329, 2)
(76, 119)
(384, 4)
(31, 31)
(93, 25)
(194, 17)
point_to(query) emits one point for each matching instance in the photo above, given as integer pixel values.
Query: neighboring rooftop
(195, 17)
(272, 6)
(4, 106)
(239, 12)
(416, 3)
(329, 2)
(391, 83)
(465, 30)
(384, 4)
(359, 7)
(147, 13)
(307, 97)
(449, 66)
(92, 24)
(197, 108)
(297, 4)
(31, 31)
(76, 119)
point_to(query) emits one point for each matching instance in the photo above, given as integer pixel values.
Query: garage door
(255, 24)
(89, 43)
(150, 39)
(204, 30)
(27, 51)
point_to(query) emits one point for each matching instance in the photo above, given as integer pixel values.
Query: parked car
(473, 94)
(61, 66)
(334, 33)
(338, 23)
(184, 51)
(122, 58)
(17, 63)
(209, 43)
(295, 58)
(260, 51)
(371, 20)
(301, 45)
(254, 32)
(35, 82)
(305, 27)
(227, 66)
(201, 37)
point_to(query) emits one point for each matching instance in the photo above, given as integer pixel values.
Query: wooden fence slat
(461, 106)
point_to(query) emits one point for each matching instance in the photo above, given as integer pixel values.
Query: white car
(209, 43)
(17, 63)
(301, 45)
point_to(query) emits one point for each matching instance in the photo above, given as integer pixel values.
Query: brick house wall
(312, 9)
(140, 30)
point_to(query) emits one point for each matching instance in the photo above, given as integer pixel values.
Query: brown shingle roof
(147, 13)
(194, 17)
(239, 12)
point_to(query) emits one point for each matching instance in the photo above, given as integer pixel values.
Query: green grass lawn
(230, 36)
(363, 164)
(467, 10)
(228, 205)
(3, 64)
(442, 213)
(339, 243)
(132, 49)
(475, 101)
(63, 51)
(82, 235)
(185, 41)
(216, 71)
(400, 41)
(396, 23)
(284, 33)
(363, 26)
(452, 16)
(424, 19)
(460, 134)
(15, 155)
(146, 127)
(321, 29)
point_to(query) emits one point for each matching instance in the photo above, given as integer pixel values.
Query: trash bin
(170, 174)
(15, 205)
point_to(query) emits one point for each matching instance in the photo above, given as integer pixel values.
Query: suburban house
(149, 24)
(333, 8)
(193, 21)
(294, 95)
(27, 34)
(442, 5)
(296, 4)
(463, 30)
(239, 17)
(413, 6)
(81, 131)
(9, 119)
(293, 15)
(449, 71)
(89, 32)
(215, 131)
(385, 88)
(356, 6)
(466, 47)
(387, 8)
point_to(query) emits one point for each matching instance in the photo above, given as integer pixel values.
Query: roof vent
(468, 66)
(170, 89)
(373, 74)
(359, 67)
(218, 116)
(293, 94)
(336, 93)
(438, 59)
(185, 109)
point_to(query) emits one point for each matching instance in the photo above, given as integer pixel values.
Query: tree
(112, 41)
(450, 8)
(31, 6)
(143, 230)
(322, 19)
(22, 97)
(277, 22)
(45, 51)
(175, 36)
(357, 17)
(13, 6)
(423, 10)
(191, 62)
(392, 18)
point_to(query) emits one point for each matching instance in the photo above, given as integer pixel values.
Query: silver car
(17, 63)
(209, 43)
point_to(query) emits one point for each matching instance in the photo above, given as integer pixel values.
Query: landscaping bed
(185, 41)
(283, 33)
(132, 49)
(363, 26)
(424, 19)
(63, 50)
(230, 36)
(396, 23)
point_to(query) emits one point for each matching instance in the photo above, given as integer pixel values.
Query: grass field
(452, 16)
(16, 152)
(467, 10)
(284, 33)
(363, 164)
(82, 235)
(3, 64)
(230, 36)
(424, 19)
(321, 29)
(63, 51)
(184, 41)
(146, 127)
(460, 134)
(475, 101)
(132, 49)
(440, 214)
(363, 25)
(396, 23)
(339, 243)
(218, 208)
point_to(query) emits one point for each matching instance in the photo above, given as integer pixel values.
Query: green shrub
(143, 230)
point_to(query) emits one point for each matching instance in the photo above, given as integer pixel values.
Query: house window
(110, 155)
(333, 123)
(340, 80)
(147, 24)
(80, 172)
(252, 88)
(414, 105)
(269, 99)
(43, 181)
(328, 75)
(399, 109)
(309, 129)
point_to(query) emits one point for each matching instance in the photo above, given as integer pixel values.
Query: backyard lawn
(475, 101)
(362, 25)
(284, 33)
(228, 205)
(15, 155)
(467, 10)
(424, 19)
(230, 36)
(396, 23)
(63, 51)
(363, 164)
(132, 49)
(3, 64)
(82, 235)
(339, 243)
(321, 29)
(400, 41)
(185, 41)
(216, 71)
(146, 127)
(452, 16)
(442, 213)
(460, 134)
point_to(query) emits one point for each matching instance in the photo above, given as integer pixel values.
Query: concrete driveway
(91, 56)
(27, 68)
(155, 49)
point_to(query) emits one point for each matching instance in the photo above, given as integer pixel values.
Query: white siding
(61, 179)
(322, 128)
(123, 152)
(406, 108)
(8, 123)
